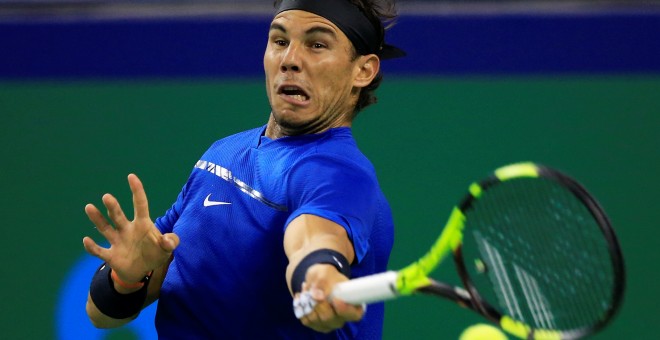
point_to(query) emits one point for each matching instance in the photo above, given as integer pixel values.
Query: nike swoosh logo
(209, 203)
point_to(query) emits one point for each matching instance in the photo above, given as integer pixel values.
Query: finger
(327, 315)
(317, 294)
(313, 321)
(115, 212)
(322, 317)
(95, 250)
(169, 242)
(348, 311)
(140, 203)
(100, 222)
(309, 318)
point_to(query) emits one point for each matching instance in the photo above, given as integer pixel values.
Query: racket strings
(543, 256)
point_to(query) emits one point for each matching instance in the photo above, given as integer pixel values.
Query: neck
(274, 130)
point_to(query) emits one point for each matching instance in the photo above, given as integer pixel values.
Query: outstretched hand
(314, 306)
(136, 247)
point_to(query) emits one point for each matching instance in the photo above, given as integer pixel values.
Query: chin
(290, 118)
(293, 123)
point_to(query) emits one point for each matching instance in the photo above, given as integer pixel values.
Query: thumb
(317, 294)
(169, 242)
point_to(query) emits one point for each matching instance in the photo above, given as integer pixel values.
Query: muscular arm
(308, 233)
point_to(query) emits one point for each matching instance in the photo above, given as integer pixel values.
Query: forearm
(307, 234)
(101, 320)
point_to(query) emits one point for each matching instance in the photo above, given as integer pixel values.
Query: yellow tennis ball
(482, 331)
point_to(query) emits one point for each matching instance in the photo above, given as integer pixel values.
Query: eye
(318, 45)
(278, 40)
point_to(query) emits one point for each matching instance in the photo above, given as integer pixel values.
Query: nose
(291, 61)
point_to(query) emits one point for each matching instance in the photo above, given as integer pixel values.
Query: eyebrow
(313, 30)
(277, 27)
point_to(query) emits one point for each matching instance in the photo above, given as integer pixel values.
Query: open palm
(137, 246)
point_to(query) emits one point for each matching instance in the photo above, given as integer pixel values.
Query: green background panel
(64, 144)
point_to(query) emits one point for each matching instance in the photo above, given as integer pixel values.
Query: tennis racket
(535, 252)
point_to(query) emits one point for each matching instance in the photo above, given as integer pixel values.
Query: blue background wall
(605, 41)
(84, 102)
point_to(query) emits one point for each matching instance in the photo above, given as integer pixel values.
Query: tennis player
(269, 214)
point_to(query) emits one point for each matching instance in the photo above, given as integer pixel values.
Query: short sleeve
(166, 222)
(337, 189)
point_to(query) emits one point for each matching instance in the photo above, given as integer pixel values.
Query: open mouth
(293, 92)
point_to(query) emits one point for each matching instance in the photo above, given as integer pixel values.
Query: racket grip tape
(367, 289)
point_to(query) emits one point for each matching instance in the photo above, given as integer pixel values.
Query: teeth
(294, 92)
(298, 97)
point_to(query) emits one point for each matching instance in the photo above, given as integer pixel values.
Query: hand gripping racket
(534, 250)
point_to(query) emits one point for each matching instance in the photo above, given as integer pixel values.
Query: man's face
(310, 73)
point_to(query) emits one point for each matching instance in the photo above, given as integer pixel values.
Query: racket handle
(367, 289)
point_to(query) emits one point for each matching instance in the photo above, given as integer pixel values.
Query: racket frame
(414, 278)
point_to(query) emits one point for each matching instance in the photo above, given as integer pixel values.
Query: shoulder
(339, 146)
(335, 160)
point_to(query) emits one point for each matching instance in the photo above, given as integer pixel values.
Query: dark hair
(385, 12)
(381, 13)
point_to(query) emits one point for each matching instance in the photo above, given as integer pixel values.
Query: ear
(367, 67)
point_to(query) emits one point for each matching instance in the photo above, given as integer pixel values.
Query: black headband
(362, 32)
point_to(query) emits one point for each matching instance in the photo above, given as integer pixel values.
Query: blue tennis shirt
(227, 279)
